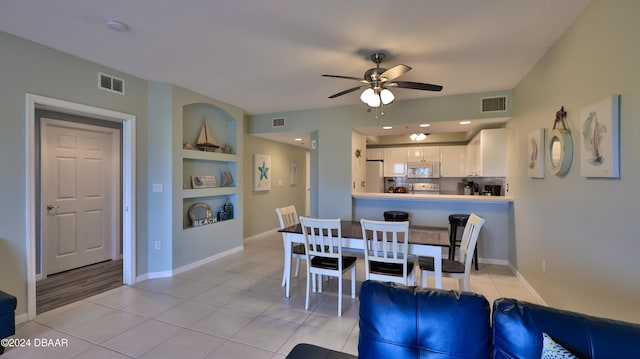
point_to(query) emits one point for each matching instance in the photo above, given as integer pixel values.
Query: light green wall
(331, 160)
(30, 68)
(584, 228)
(259, 208)
(194, 244)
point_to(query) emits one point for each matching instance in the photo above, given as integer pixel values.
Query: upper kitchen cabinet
(423, 154)
(486, 154)
(375, 154)
(452, 161)
(395, 161)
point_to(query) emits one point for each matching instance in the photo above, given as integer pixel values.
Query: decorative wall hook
(561, 117)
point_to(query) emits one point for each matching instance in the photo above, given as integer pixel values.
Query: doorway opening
(127, 203)
(79, 242)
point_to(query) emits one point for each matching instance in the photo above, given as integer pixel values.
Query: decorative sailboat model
(206, 142)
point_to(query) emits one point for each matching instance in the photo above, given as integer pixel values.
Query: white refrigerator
(375, 177)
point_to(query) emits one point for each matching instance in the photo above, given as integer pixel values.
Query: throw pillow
(553, 350)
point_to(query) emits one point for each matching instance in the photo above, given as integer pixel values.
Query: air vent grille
(110, 83)
(493, 104)
(277, 122)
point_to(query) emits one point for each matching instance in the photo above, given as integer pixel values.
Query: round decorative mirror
(559, 152)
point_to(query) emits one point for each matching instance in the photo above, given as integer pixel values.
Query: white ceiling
(266, 56)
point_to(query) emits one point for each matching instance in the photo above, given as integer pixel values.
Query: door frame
(128, 183)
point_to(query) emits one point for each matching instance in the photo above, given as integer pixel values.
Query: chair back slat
(470, 239)
(287, 216)
(323, 237)
(386, 242)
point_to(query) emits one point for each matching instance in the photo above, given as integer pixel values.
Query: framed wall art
(261, 172)
(535, 153)
(599, 130)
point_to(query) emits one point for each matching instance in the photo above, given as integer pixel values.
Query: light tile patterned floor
(231, 308)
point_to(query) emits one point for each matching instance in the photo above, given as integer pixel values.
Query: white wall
(583, 228)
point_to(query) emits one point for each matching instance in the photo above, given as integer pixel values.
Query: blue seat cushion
(397, 321)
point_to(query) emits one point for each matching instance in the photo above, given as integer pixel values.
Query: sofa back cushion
(518, 328)
(408, 322)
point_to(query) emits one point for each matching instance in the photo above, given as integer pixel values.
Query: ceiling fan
(378, 80)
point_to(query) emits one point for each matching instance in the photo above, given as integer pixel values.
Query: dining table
(423, 241)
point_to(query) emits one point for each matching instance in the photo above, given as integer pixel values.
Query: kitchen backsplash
(449, 185)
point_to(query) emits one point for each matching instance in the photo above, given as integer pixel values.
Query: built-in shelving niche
(197, 162)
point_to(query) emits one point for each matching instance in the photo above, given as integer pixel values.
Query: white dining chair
(457, 269)
(287, 217)
(386, 251)
(323, 248)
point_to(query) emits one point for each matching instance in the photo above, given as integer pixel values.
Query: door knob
(52, 206)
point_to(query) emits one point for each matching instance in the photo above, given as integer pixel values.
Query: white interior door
(80, 187)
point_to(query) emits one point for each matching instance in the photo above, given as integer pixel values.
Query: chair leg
(284, 273)
(297, 267)
(340, 296)
(353, 282)
(309, 277)
(423, 279)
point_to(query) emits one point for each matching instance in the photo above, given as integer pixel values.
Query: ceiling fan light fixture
(374, 101)
(386, 96)
(367, 95)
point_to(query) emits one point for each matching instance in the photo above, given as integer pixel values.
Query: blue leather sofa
(7, 316)
(408, 322)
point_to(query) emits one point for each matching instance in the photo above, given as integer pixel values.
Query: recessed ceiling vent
(494, 104)
(110, 83)
(277, 122)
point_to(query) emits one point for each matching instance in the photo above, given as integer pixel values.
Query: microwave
(423, 170)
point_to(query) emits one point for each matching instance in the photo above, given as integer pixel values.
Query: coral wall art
(535, 153)
(599, 134)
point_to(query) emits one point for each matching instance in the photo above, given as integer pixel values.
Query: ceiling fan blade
(414, 85)
(347, 78)
(347, 91)
(394, 72)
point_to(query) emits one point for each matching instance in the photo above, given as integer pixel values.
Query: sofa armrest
(518, 328)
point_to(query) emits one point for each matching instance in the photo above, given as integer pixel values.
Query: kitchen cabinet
(452, 161)
(423, 154)
(375, 154)
(395, 161)
(486, 154)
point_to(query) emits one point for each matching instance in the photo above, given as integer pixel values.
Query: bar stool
(396, 216)
(455, 221)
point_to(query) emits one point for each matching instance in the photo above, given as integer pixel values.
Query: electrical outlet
(158, 245)
(544, 265)
(157, 187)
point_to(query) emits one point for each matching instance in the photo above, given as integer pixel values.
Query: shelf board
(208, 192)
(211, 156)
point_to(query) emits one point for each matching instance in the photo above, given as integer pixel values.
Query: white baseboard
(261, 235)
(526, 284)
(190, 266)
(21, 318)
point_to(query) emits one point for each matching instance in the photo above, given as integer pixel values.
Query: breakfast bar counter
(433, 210)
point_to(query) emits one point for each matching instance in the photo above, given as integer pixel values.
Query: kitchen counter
(432, 197)
(433, 210)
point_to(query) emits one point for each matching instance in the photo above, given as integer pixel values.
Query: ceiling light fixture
(418, 136)
(465, 122)
(117, 26)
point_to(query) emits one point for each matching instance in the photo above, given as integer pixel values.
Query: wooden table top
(435, 236)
